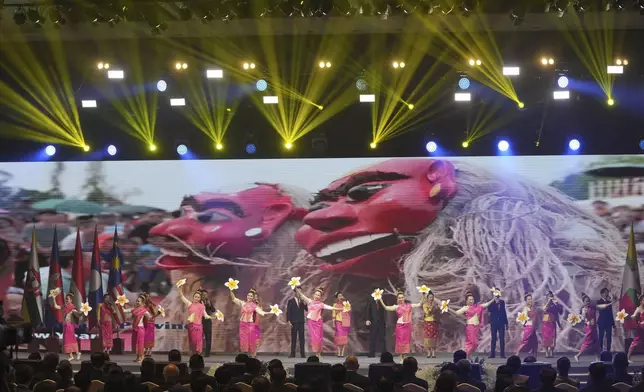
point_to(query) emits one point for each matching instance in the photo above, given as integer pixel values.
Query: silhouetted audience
(446, 382)
(620, 370)
(547, 376)
(464, 375)
(386, 357)
(598, 380)
(260, 384)
(410, 367)
(252, 369)
(174, 355)
(353, 377)
(563, 368)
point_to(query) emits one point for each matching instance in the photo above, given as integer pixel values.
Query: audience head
(597, 372)
(548, 376)
(275, 363)
(338, 373)
(148, 367)
(385, 385)
(410, 365)
(174, 355)
(242, 358)
(130, 380)
(458, 355)
(451, 366)
(529, 359)
(397, 374)
(620, 361)
(198, 384)
(45, 387)
(278, 375)
(64, 370)
(34, 356)
(386, 357)
(605, 356)
(115, 383)
(222, 375)
(351, 363)
(50, 362)
(563, 366)
(514, 363)
(97, 360)
(24, 374)
(81, 380)
(196, 362)
(463, 368)
(313, 359)
(446, 382)
(171, 374)
(260, 384)
(253, 366)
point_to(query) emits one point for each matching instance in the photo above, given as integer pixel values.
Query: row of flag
(41, 312)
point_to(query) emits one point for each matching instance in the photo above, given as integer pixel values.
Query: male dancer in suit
(605, 321)
(377, 327)
(498, 324)
(296, 316)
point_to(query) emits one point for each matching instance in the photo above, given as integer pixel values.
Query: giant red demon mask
(216, 226)
(364, 222)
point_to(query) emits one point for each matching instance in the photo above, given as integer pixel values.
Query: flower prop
(219, 315)
(574, 319)
(495, 292)
(191, 318)
(275, 309)
(377, 294)
(122, 300)
(621, 316)
(444, 306)
(294, 282)
(346, 306)
(232, 284)
(85, 308)
(423, 289)
(161, 311)
(54, 293)
(522, 317)
(181, 282)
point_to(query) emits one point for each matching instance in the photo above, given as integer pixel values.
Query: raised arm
(306, 299)
(261, 311)
(488, 303)
(183, 297)
(460, 311)
(604, 306)
(391, 308)
(236, 300)
(637, 311)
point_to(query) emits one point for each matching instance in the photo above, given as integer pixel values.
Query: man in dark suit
(498, 324)
(296, 316)
(197, 366)
(410, 367)
(377, 327)
(605, 321)
(352, 376)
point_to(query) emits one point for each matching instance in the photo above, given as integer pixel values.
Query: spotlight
(86, 148)
(503, 146)
(431, 146)
(373, 145)
(261, 85)
(182, 149)
(465, 144)
(562, 81)
(398, 64)
(251, 148)
(642, 144)
(367, 98)
(35, 16)
(410, 106)
(610, 102)
(89, 103)
(574, 144)
(472, 62)
(328, 64)
(115, 74)
(462, 97)
(180, 65)
(464, 83)
(270, 100)
(152, 147)
(618, 62)
(478, 62)
(219, 146)
(50, 150)
(248, 66)
(177, 102)
(322, 64)
(214, 73)
(521, 105)
(361, 84)
(395, 64)
(56, 17)
(547, 61)
(511, 71)
(288, 145)
(101, 65)
(111, 149)
(162, 85)
(19, 16)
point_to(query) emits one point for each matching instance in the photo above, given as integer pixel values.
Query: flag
(95, 295)
(54, 316)
(32, 298)
(115, 280)
(77, 286)
(631, 287)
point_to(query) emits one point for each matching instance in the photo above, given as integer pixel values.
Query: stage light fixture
(288, 145)
(324, 64)
(410, 106)
(270, 100)
(367, 98)
(152, 147)
(473, 62)
(464, 83)
(398, 64)
(111, 149)
(89, 103)
(50, 150)
(431, 146)
(547, 61)
(562, 81)
(251, 148)
(86, 148)
(248, 66)
(180, 65)
(101, 65)
(521, 105)
(465, 144)
(177, 102)
(214, 73)
(361, 84)
(462, 97)
(642, 144)
(261, 85)
(182, 149)
(560, 95)
(162, 85)
(373, 145)
(503, 145)
(219, 146)
(610, 102)
(19, 16)
(56, 17)
(574, 144)
(115, 74)
(34, 16)
(511, 71)
(615, 69)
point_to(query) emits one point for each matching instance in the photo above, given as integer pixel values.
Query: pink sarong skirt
(138, 340)
(149, 335)
(472, 338)
(70, 344)
(591, 339)
(341, 334)
(529, 341)
(403, 338)
(638, 339)
(247, 337)
(548, 333)
(430, 333)
(107, 335)
(315, 335)
(195, 337)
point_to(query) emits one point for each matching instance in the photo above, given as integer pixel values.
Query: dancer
(149, 324)
(248, 330)
(206, 322)
(589, 314)
(529, 341)
(403, 310)
(295, 315)
(474, 321)
(605, 321)
(498, 323)
(638, 316)
(342, 323)
(70, 314)
(139, 314)
(108, 322)
(197, 313)
(314, 318)
(550, 320)
(430, 327)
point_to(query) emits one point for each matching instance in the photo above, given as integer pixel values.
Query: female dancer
(591, 337)
(314, 319)
(473, 321)
(197, 312)
(206, 322)
(403, 325)
(70, 314)
(529, 341)
(638, 316)
(107, 314)
(248, 328)
(551, 311)
(430, 327)
(342, 322)
(149, 324)
(139, 314)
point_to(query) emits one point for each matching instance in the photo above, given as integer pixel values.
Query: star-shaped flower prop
(181, 282)
(219, 315)
(377, 294)
(574, 319)
(54, 293)
(161, 311)
(232, 284)
(522, 317)
(444, 306)
(275, 309)
(495, 292)
(85, 308)
(346, 306)
(621, 316)
(122, 300)
(294, 282)
(191, 318)
(423, 289)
